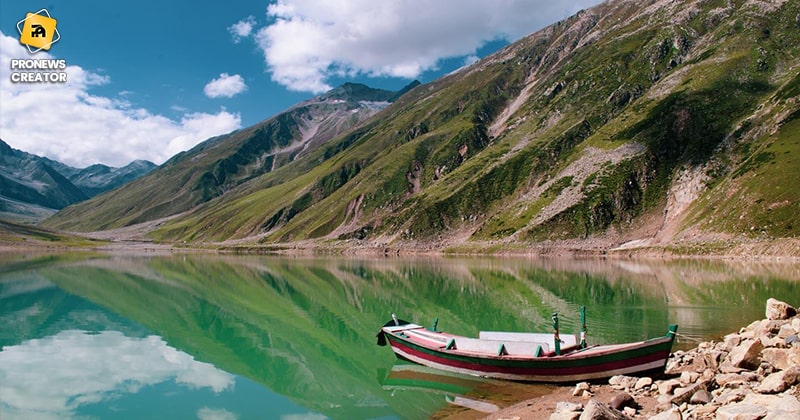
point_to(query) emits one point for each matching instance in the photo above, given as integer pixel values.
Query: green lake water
(203, 336)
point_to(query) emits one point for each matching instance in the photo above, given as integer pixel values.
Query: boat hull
(593, 363)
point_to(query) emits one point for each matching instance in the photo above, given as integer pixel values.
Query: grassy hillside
(650, 121)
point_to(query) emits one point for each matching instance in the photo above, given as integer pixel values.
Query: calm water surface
(213, 337)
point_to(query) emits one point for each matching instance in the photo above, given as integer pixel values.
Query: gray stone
(791, 339)
(596, 410)
(746, 355)
(741, 412)
(671, 414)
(566, 407)
(701, 397)
(779, 310)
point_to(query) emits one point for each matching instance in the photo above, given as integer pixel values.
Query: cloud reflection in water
(54, 376)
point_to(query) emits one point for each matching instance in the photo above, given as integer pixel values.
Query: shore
(751, 374)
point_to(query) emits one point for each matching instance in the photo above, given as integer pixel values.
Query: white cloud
(53, 376)
(311, 40)
(225, 86)
(242, 28)
(78, 128)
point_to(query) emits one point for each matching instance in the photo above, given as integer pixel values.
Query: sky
(149, 79)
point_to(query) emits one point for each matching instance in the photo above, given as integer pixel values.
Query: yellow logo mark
(38, 31)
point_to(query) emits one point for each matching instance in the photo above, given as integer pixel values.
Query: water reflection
(304, 329)
(53, 377)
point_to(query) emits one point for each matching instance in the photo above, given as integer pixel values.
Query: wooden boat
(533, 357)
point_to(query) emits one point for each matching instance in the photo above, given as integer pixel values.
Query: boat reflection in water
(453, 386)
(466, 396)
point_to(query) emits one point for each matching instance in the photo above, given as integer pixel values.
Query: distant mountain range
(33, 187)
(628, 125)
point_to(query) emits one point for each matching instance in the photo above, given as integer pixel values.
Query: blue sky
(148, 79)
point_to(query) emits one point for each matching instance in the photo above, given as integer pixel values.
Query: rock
(685, 394)
(712, 358)
(579, 388)
(666, 387)
(705, 411)
(780, 381)
(746, 355)
(782, 359)
(796, 325)
(730, 396)
(689, 377)
(726, 379)
(702, 396)
(629, 411)
(731, 341)
(643, 383)
(596, 410)
(568, 407)
(622, 381)
(621, 401)
(565, 416)
(671, 414)
(741, 412)
(787, 407)
(792, 339)
(779, 310)
(785, 331)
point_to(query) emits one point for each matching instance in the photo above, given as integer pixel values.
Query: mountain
(627, 125)
(223, 164)
(33, 187)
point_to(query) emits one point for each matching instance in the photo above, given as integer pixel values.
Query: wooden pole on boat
(556, 338)
(583, 327)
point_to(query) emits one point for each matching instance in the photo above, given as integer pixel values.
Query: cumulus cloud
(311, 40)
(225, 86)
(53, 376)
(80, 129)
(242, 28)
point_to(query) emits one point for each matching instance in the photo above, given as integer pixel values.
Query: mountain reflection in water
(278, 337)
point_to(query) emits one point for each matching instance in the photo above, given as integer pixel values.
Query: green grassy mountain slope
(637, 123)
(221, 164)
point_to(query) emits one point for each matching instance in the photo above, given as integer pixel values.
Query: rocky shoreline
(749, 375)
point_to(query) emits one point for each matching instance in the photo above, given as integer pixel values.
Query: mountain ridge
(34, 187)
(630, 124)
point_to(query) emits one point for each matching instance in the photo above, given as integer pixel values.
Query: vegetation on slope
(582, 130)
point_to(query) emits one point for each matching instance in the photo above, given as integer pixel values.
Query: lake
(226, 337)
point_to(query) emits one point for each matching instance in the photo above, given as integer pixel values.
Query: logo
(38, 31)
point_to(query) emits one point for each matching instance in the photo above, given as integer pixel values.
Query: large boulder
(777, 310)
(746, 355)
